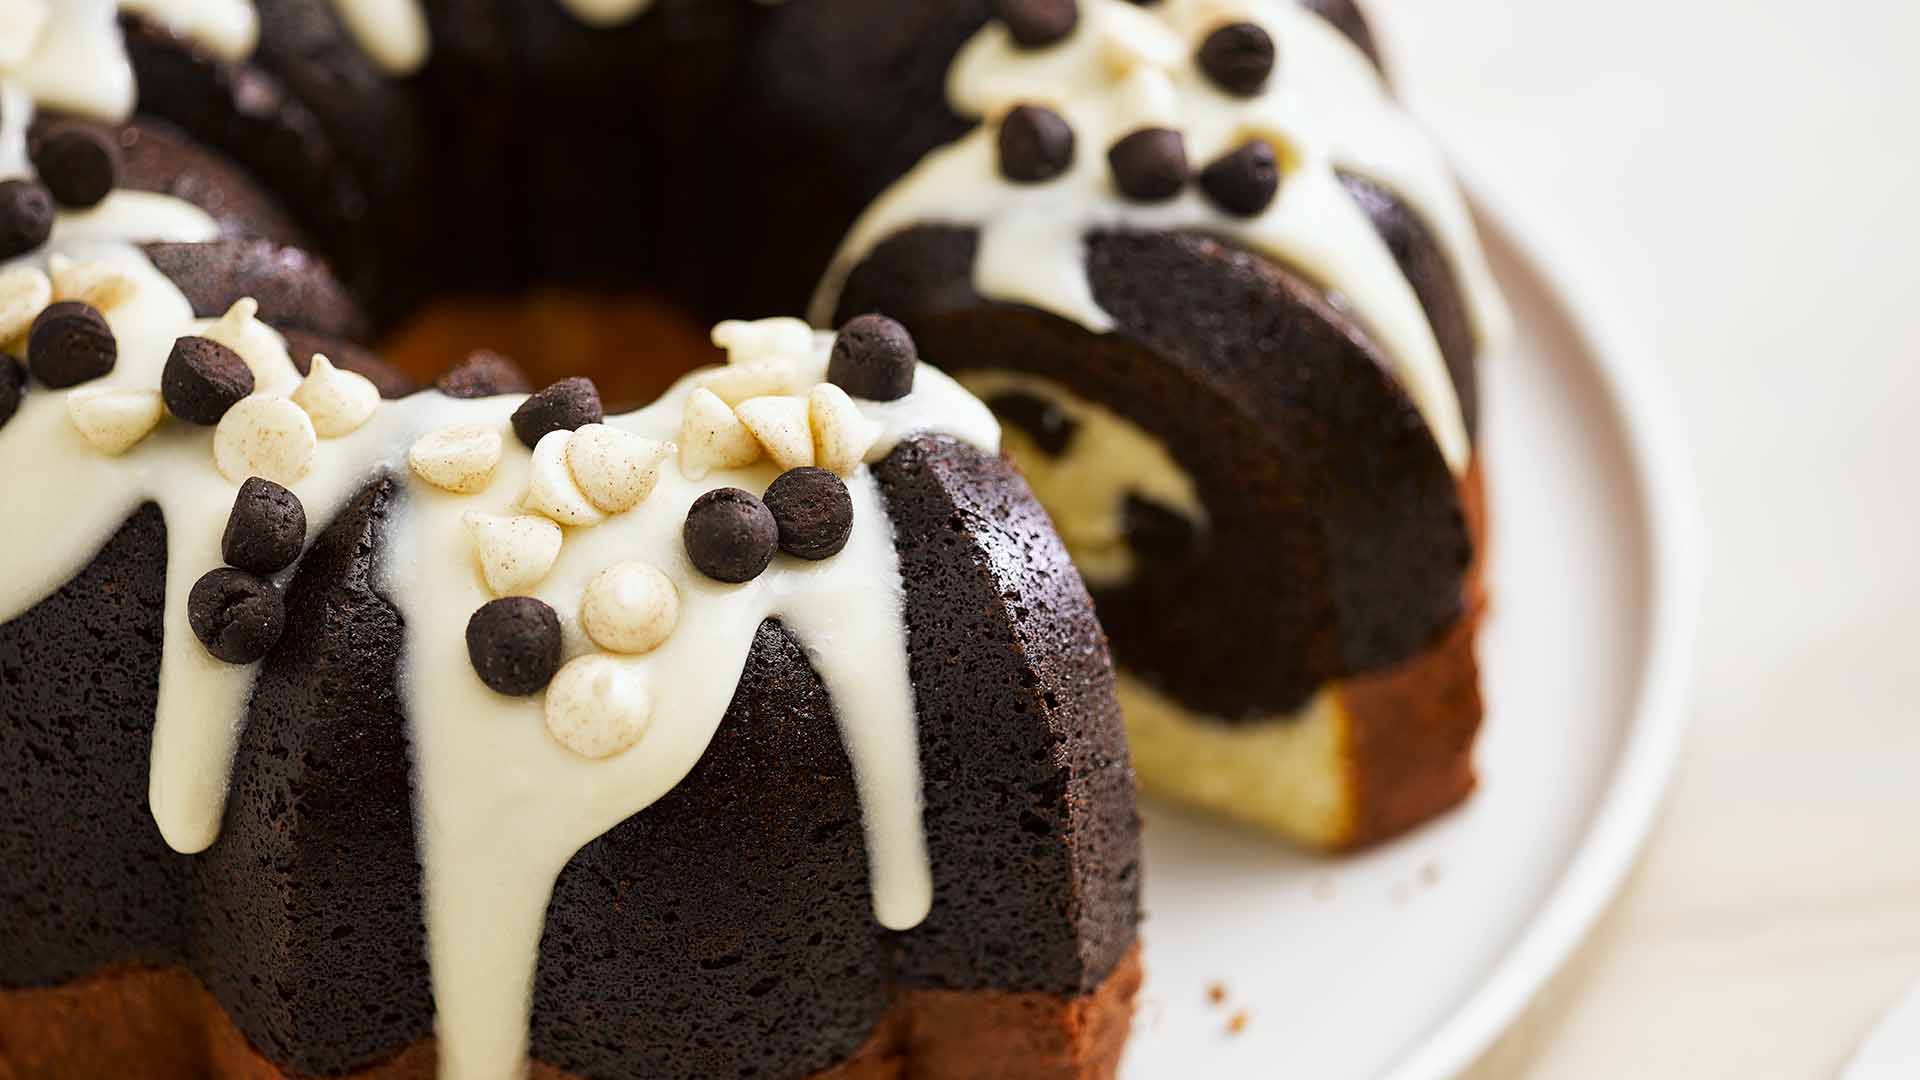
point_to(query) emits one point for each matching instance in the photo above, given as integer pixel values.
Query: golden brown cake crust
(1411, 728)
(161, 1024)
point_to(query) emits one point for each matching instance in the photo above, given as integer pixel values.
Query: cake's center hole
(633, 345)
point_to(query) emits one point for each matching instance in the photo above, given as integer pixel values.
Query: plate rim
(1611, 844)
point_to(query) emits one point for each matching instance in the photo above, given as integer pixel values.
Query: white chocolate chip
(255, 342)
(459, 459)
(265, 436)
(630, 607)
(598, 706)
(1132, 39)
(114, 418)
(750, 341)
(96, 283)
(738, 382)
(515, 550)
(1147, 97)
(21, 22)
(550, 487)
(24, 293)
(338, 401)
(712, 437)
(780, 423)
(842, 434)
(613, 467)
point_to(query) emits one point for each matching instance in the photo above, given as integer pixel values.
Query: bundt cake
(347, 730)
(263, 810)
(1229, 306)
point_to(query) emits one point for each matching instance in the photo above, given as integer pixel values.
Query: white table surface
(1740, 180)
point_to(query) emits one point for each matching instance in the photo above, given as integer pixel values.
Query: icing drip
(392, 32)
(1325, 110)
(228, 28)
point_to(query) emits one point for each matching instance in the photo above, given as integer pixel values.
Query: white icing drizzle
(228, 28)
(391, 32)
(503, 807)
(1325, 109)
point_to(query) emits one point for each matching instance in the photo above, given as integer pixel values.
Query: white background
(1741, 180)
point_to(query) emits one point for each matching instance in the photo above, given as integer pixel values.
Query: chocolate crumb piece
(267, 528)
(78, 165)
(26, 217)
(1216, 993)
(203, 379)
(813, 512)
(1149, 165)
(238, 616)
(1036, 24)
(13, 387)
(874, 358)
(514, 645)
(1237, 1023)
(567, 405)
(1050, 428)
(1244, 181)
(1036, 144)
(484, 373)
(70, 343)
(730, 535)
(1238, 57)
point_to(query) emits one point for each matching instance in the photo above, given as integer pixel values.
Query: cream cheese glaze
(501, 805)
(1326, 110)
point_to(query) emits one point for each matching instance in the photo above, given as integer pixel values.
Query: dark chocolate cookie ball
(203, 379)
(567, 405)
(238, 616)
(26, 216)
(1243, 181)
(514, 644)
(730, 535)
(1238, 57)
(483, 373)
(267, 528)
(1149, 165)
(1035, 24)
(874, 358)
(1036, 144)
(70, 343)
(79, 165)
(812, 510)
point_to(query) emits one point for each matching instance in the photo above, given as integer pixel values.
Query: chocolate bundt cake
(1229, 305)
(352, 730)
(262, 809)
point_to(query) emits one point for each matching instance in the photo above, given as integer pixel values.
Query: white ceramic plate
(1407, 962)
